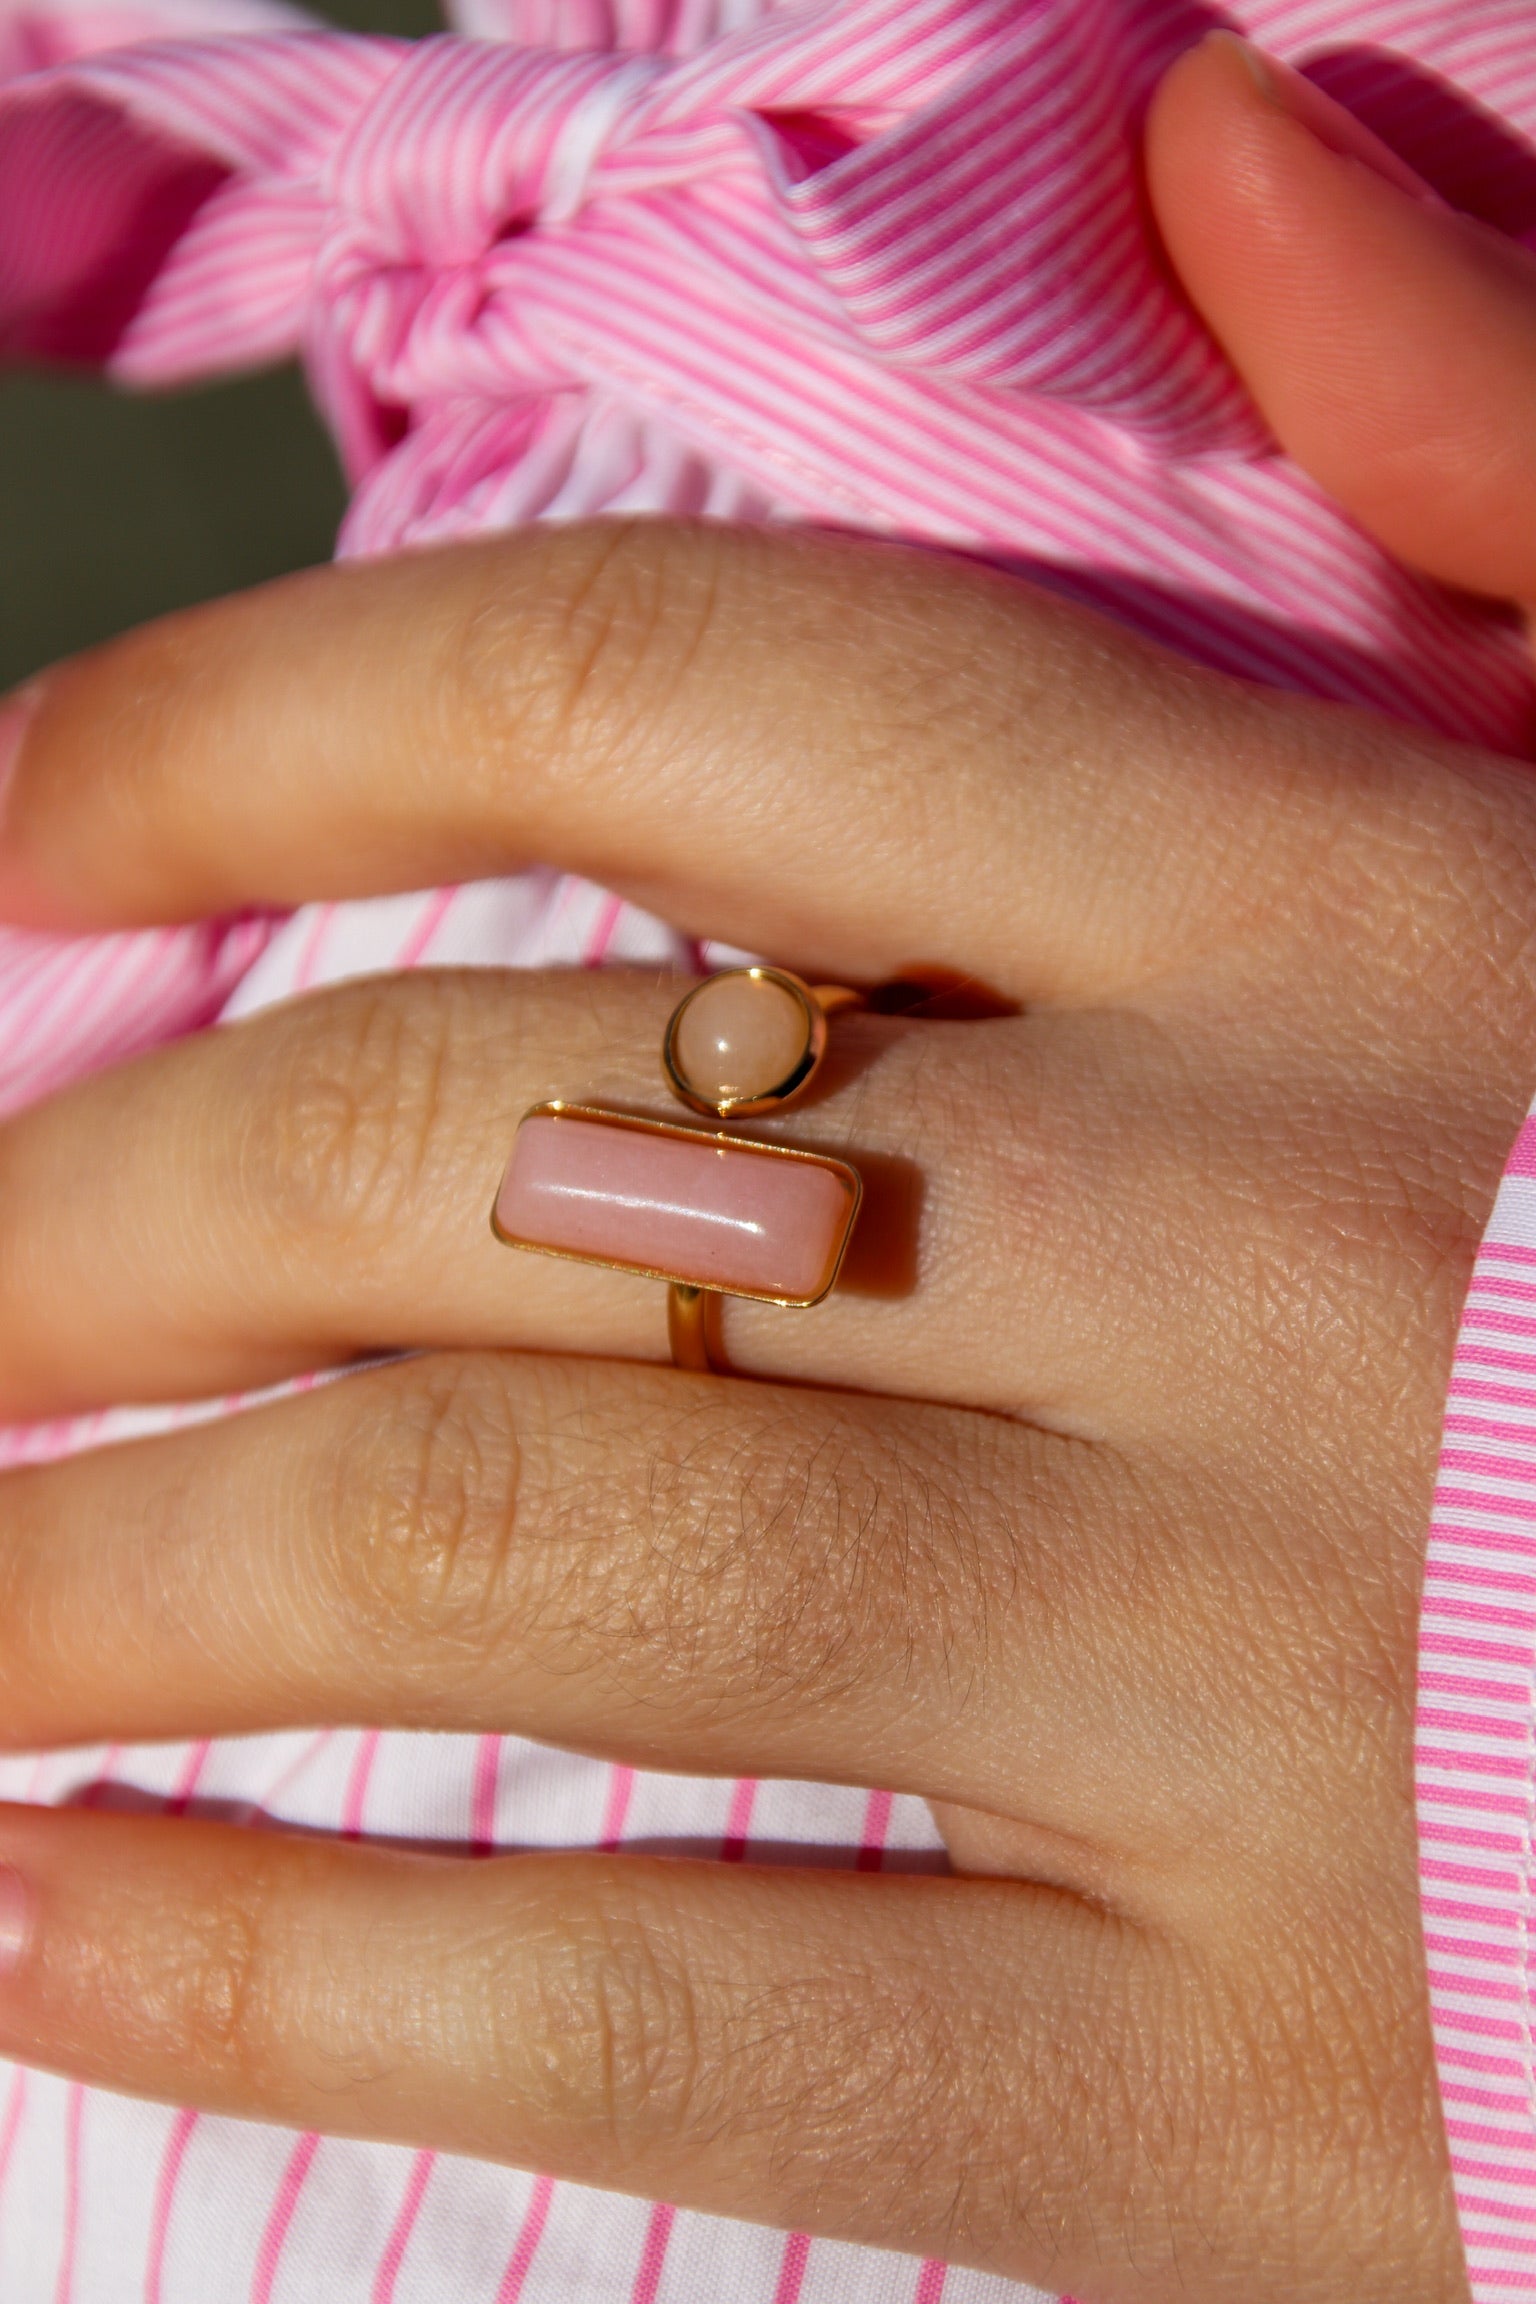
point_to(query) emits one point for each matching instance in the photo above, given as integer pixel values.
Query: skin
(1094, 1513)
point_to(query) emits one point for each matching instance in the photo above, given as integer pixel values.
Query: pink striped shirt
(876, 262)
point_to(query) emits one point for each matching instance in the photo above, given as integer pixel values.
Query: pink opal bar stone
(710, 1211)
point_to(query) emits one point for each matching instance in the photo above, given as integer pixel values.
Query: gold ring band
(693, 1328)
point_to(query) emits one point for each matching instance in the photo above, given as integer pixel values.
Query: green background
(113, 507)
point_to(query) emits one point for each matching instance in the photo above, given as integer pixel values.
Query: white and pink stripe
(1477, 1750)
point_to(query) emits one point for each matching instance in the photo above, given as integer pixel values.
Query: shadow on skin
(129, 1800)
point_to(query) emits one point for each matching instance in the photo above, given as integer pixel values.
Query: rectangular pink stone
(711, 1211)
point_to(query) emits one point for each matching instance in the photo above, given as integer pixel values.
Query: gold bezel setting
(784, 1091)
(849, 1178)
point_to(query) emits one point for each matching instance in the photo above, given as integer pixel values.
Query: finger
(316, 1183)
(983, 2071)
(720, 1578)
(755, 2044)
(1390, 342)
(847, 754)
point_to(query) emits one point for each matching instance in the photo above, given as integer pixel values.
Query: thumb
(1390, 342)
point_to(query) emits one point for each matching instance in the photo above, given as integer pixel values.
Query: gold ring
(711, 1213)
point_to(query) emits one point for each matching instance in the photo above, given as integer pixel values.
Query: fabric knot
(592, 128)
(466, 145)
(463, 152)
(926, 201)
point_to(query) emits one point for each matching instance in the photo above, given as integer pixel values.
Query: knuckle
(184, 1988)
(605, 2032)
(866, 2053)
(29, 1659)
(421, 1518)
(792, 1555)
(345, 1110)
(222, 2018)
(1429, 865)
(572, 676)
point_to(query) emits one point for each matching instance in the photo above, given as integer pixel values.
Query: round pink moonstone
(739, 1037)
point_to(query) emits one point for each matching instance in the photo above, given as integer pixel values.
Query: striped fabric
(872, 262)
(1477, 1748)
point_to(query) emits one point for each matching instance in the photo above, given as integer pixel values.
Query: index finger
(855, 755)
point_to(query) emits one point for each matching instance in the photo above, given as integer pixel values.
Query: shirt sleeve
(1476, 1750)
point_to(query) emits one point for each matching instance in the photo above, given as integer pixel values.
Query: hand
(1101, 1526)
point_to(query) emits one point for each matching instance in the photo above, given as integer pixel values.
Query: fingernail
(1254, 59)
(16, 717)
(15, 1918)
(1336, 130)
